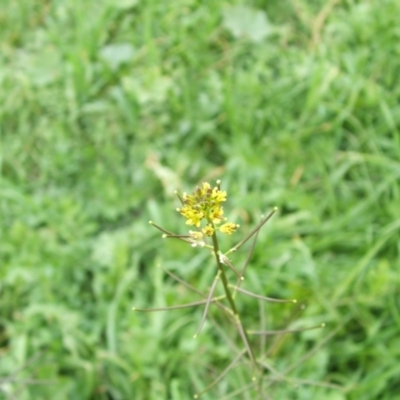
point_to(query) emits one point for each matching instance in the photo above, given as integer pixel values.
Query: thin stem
(188, 305)
(309, 354)
(314, 350)
(246, 341)
(223, 275)
(225, 283)
(227, 369)
(184, 283)
(161, 229)
(184, 238)
(208, 302)
(234, 394)
(193, 289)
(225, 260)
(277, 375)
(263, 340)
(248, 258)
(179, 197)
(257, 296)
(284, 331)
(255, 230)
(298, 382)
(279, 338)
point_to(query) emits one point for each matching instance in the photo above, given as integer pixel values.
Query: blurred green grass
(109, 107)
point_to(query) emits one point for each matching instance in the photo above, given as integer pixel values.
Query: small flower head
(205, 203)
(218, 195)
(228, 228)
(216, 215)
(193, 216)
(208, 230)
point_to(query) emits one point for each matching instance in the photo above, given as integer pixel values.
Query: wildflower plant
(204, 214)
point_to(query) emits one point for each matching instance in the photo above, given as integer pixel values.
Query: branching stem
(230, 299)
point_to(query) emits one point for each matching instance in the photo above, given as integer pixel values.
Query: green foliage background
(107, 107)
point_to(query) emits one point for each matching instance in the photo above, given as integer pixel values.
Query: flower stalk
(204, 213)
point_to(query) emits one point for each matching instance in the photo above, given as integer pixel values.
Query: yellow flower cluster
(205, 204)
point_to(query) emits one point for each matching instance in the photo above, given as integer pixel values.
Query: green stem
(223, 275)
(231, 300)
(255, 230)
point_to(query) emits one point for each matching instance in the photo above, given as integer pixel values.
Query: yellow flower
(228, 228)
(208, 230)
(218, 196)
(216, 215)
(205, 204)
(193, 216)
(205, 188)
